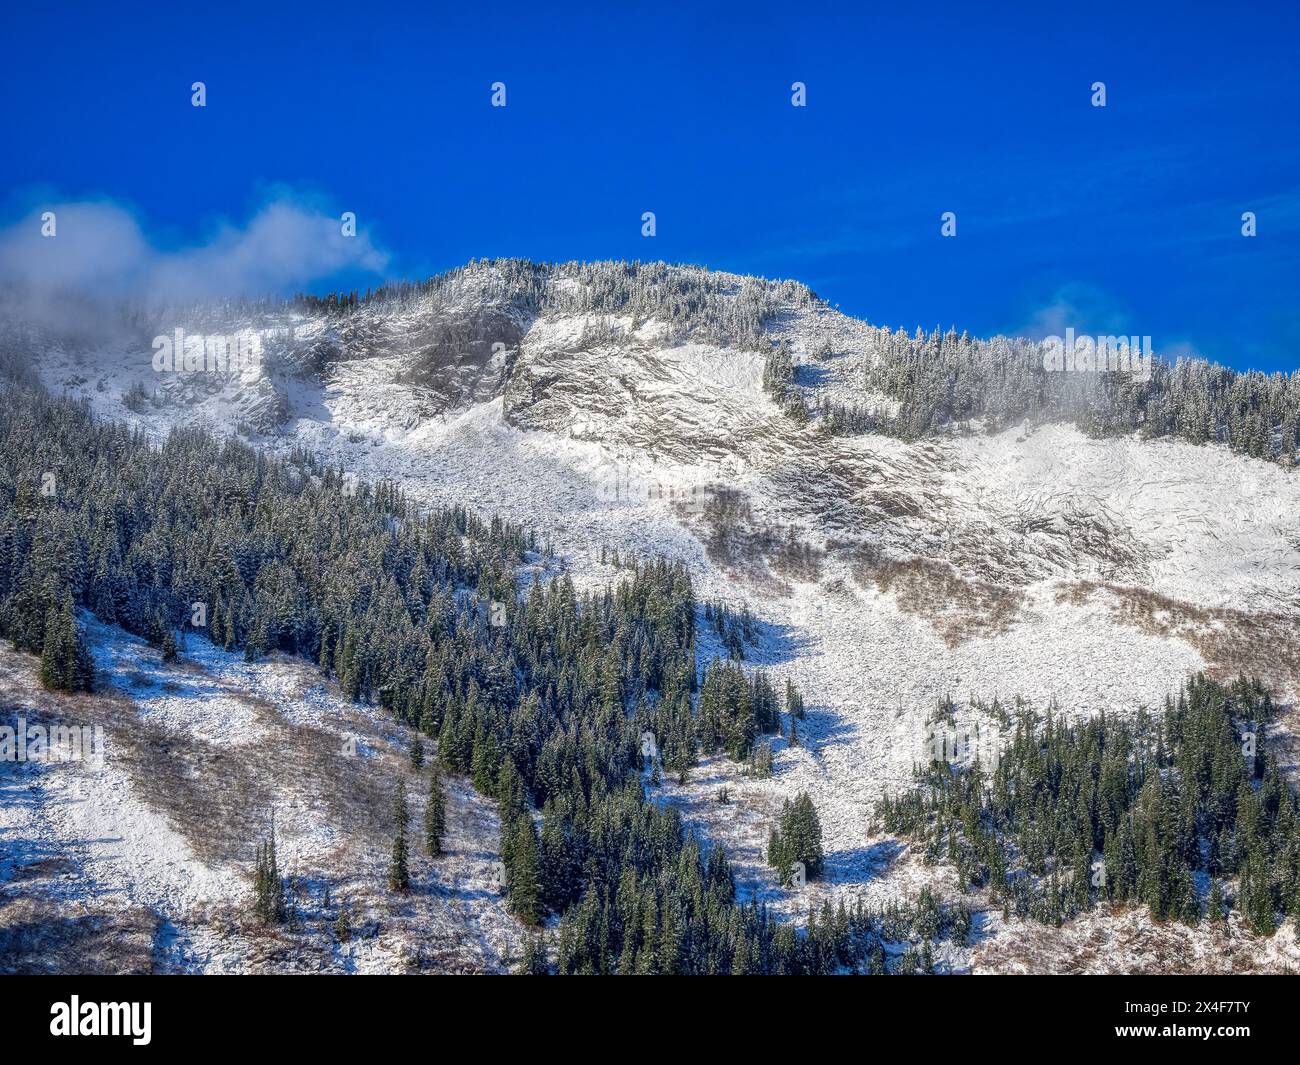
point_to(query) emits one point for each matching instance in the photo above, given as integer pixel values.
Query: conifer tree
(269, 904)
(794, 704)
(777, 856)
(524, 871)
(435, 812)
(66, 664)
(803, 835)
(399, 876)
(534, 960)
(1215, 908)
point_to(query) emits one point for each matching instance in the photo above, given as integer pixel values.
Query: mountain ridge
(889, 574)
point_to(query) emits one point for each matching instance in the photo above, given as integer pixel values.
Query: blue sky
(1118, 218)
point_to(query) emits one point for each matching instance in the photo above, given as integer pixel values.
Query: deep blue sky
(1128, 215)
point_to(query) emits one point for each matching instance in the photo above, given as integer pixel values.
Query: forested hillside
(583, 705)
(942, 381)
(542, 699)
(943, 378)
(1184, 812)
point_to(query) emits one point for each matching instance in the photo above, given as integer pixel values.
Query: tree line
(1127, 811)
(943, 381)
(541, 698)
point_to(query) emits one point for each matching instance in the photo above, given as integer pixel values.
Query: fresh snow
(614, 437)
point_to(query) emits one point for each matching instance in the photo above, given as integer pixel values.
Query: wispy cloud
(100, 248)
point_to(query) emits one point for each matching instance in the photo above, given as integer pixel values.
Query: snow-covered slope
(150, 848)
(1032, 562)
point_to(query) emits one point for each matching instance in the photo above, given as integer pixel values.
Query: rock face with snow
(660, 372)
(625, 406)
(629, 413)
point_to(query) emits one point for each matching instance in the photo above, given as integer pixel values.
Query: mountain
(919, 524)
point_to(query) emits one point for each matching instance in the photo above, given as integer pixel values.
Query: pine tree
(269, 904)
(524, 871)
(804, 835)
(343, 924)
(778, 856)
(1257, 896)
(435, 812)
(399, 876)
(66, 664)
(534, 961)
(794, 704)
(797, 839)
(1217, 911)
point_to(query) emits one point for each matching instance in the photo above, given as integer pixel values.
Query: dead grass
(958, 607)
(1126, 941)
(218, 798)
(1232, 642)
(765, 556)
(39, 936)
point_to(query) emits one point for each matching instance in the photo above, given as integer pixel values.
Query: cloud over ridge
(100, 248)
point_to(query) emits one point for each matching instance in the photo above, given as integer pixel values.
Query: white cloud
(101, 250)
